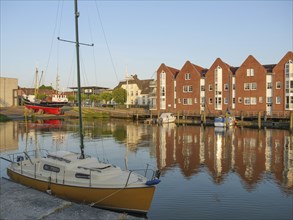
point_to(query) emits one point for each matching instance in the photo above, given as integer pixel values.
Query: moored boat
(166, 118)
(224, 121)
(64, 174)
(52, 106)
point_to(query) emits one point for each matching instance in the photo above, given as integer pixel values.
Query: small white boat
(224, 121)
(166, 118)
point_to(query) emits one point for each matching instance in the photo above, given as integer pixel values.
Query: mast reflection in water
(207, 173)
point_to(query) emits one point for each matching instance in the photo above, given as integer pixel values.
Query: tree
(119, 95)
(46, 87)
(106, 96)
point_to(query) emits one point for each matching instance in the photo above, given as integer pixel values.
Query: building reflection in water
(8, 136)
(252, 154)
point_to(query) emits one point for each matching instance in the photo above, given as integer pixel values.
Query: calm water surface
(207, 173)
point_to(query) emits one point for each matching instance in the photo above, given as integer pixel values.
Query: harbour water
(207, 173)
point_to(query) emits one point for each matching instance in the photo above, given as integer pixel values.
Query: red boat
(48, 107)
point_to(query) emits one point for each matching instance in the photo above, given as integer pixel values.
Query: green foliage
(71, 98)
(41, 96)
(4, 118)
(94, 97)
(106, 96)
(46, 87)
(119, 95)
(83, 96)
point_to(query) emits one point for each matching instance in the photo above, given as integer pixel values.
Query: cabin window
(82, 176)
(51, 168)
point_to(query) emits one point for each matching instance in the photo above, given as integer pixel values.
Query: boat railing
(148, 172)
(28, 155)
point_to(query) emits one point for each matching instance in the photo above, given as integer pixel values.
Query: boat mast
(78, 81)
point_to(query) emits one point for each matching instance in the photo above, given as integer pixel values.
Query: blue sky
(140, 36)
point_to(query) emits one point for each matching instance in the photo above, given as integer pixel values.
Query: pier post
(259, 120)
(291, 120)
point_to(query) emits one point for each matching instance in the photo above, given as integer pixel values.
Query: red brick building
(219, 88)
(249, 89)
(188, 88)
(166, 78)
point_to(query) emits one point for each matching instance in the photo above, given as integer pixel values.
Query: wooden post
(259, 120)
(291, 120)
(178, 117)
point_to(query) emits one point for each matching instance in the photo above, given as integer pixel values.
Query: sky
(136, 37)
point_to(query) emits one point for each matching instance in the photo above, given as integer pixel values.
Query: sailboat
(81, 178)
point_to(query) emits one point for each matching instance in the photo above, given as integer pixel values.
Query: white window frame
(253, 100)
(239, 99)
(278, 100)
(246, 100)
(187, 76)
(278, 85)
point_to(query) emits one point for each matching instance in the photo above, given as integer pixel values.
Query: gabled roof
(143, 85)
(169, 69)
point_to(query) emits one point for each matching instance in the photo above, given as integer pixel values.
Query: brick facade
(251, 88)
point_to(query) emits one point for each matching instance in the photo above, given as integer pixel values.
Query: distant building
(8, 92)
(137, 91)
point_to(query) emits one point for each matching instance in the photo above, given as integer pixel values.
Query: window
(246, 86)
(250, 72)
(269, 99)
(278, 85)
(51, 168)
(187, 88)
(226, 87)
(253, 100)
(278, 100)
(210, 87)
(225, 100)
(202, 88)
(162, 91)
(82, 176)
(260, 99)
(239, 100)
(246, 101)
(179, 101)
(136, 93)
(187, 101)
(234, 100)
(253, 86)
(269, 85)
(187, 76)
(210, 100)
